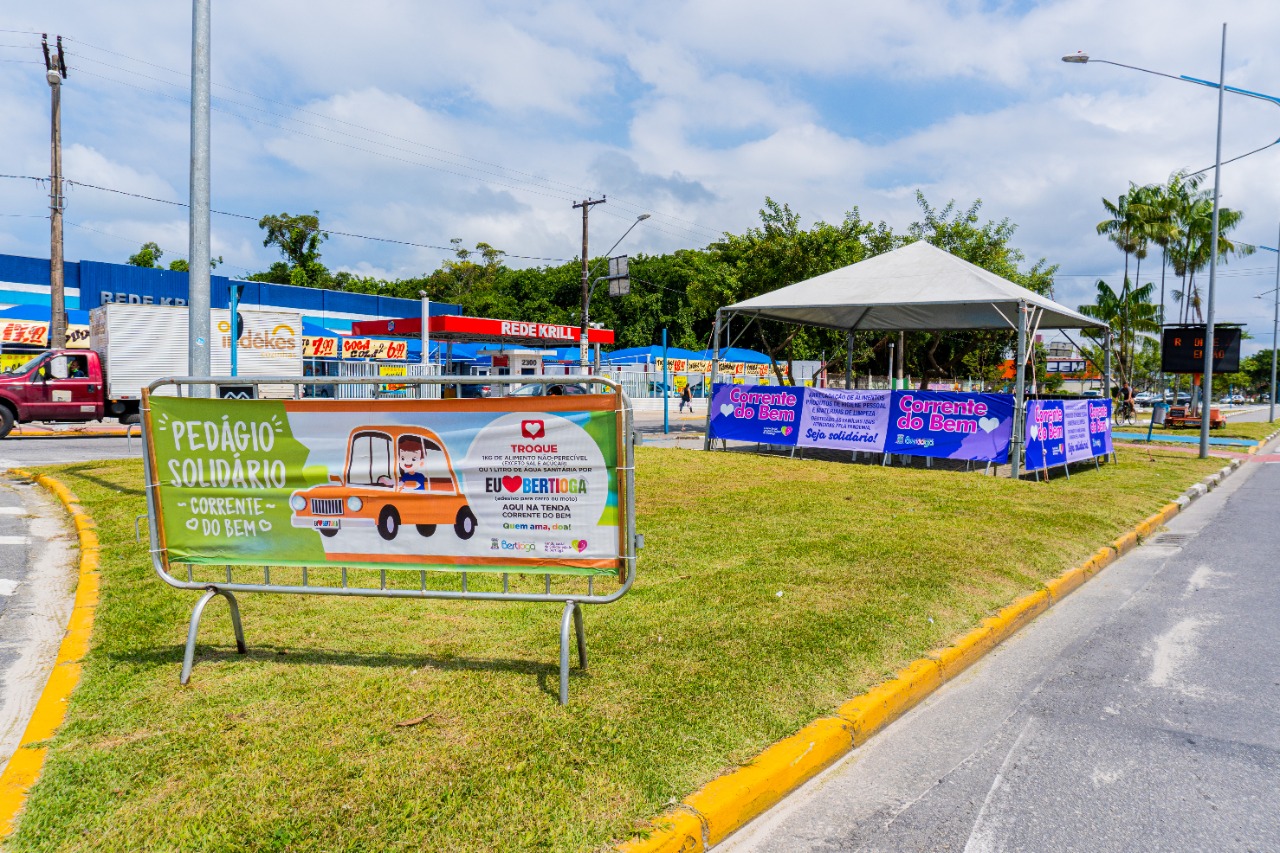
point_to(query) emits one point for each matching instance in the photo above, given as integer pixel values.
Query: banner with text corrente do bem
(940, 424)
(483, 485)
(1062, 431)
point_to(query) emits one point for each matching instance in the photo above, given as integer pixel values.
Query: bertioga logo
(535, 485)
(282, 337)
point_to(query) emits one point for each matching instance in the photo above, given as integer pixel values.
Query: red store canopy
(453, 327)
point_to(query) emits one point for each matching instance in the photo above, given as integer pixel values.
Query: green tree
(181, 265)
(1131, 315)
(147, 257)
(1256, 371)
(150, 254)
(298, 238)
(778, 253)
(1122, 227)
(942, 355)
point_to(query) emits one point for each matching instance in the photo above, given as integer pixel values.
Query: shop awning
(447, 327)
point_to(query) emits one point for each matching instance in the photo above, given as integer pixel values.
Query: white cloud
(486, 120)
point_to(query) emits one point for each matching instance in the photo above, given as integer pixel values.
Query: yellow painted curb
(24, 766)
(730, 801)
(727, 803)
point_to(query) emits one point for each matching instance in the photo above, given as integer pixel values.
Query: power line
(449, 249)
(331, 141)
(327, 118)
(506, 172)
(142, 242)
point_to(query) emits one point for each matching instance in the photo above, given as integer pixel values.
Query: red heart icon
(512, 484)
(532, 429)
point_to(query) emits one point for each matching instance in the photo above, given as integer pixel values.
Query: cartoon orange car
(393, 475)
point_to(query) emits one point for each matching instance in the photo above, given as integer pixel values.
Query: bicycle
(1124, 414)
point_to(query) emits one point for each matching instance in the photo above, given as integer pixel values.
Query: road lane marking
(1202, 578)
(8, 587)
(14, 540)
(990, 826)
(13, 510)
(1173, 649)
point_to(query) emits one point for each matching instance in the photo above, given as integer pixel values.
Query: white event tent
(918, 287)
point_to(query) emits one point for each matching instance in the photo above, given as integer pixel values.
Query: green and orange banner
(483, 485)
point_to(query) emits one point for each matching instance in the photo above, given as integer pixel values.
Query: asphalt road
(1142, 713)
(21, 452)
(36, 589)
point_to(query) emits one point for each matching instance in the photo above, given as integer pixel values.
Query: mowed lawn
(769, 591)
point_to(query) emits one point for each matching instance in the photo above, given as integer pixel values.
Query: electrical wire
(245, 270)
(506, 172)
(450, 249)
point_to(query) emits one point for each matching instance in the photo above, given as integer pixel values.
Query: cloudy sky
(425, 121)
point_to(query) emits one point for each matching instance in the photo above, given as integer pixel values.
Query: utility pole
(583, 361)
(55, 67)
(198, 276)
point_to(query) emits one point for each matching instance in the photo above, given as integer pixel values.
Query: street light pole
(199, 331)
(1213, 261)
(1275, 324)
(1275, 328)
(583, 359)
(1221, 86)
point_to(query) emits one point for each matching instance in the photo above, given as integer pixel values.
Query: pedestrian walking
(686, 399)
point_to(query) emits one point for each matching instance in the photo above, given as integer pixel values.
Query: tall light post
(1275, 327)
(1213, 256)
(584, 360)
(199, 331)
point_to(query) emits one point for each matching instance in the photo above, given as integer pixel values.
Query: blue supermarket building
(24, 282)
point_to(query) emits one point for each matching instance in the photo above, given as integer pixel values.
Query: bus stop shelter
(918, 287)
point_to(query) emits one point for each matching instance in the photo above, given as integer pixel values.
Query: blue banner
(940, 424)
(1064, 431)
(951, 425)
(764, 413)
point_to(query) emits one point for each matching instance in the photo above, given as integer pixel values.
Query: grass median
(770, 590)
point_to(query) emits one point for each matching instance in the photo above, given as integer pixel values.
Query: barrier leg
(189, 656)
(570, 614)
(582, 636)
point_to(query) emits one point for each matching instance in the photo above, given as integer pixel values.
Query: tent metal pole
(848, 360)
(1106, 366)
(1019, 393)
(715, 369)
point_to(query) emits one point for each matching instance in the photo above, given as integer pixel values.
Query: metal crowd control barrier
(228, 588)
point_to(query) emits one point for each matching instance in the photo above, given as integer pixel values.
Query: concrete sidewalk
(111, 428)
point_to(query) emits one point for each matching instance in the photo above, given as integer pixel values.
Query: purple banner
(952, 425)
(942, 424)
(845, 420)
(1064, 431)
(763, 413)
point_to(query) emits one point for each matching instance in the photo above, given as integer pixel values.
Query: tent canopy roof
(918, 287)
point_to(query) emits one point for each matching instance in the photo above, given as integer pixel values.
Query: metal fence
(227, 581)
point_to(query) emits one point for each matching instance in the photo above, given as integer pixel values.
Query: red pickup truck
(60, 385)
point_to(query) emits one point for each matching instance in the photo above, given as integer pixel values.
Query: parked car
(1144, 399)
(466, 390)
(540, 390)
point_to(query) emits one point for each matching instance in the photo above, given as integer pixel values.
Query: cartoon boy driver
(413, 463)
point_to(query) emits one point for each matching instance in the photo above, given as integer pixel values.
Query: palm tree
(1121, 228)
(1158, 210)
(1194, 244)
(1131, 315)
